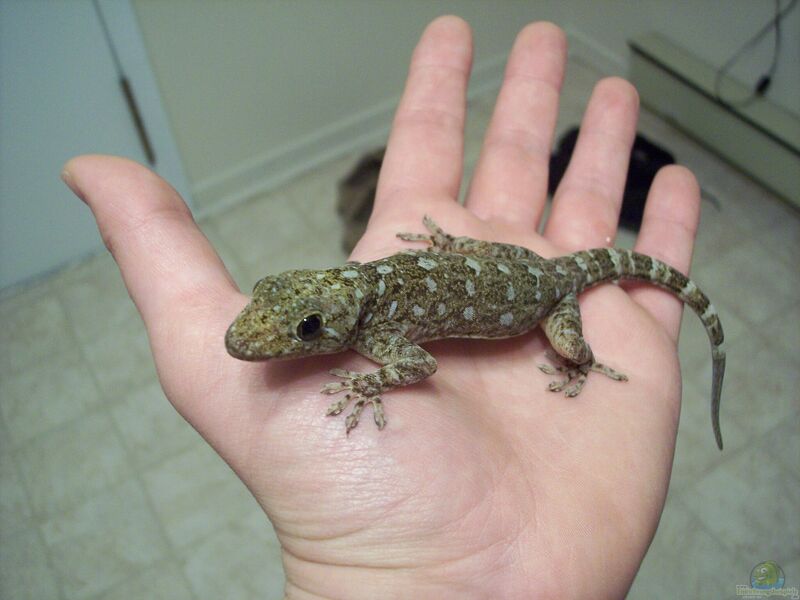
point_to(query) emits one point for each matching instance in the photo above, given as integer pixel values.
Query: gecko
(457, 287)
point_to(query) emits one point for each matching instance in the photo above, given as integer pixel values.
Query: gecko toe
(344, 373)
(338, 406)
(378, 414)
(334, 388)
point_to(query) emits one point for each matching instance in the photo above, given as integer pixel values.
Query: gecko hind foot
(576, 373)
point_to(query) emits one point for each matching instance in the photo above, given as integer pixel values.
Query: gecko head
(297, 313)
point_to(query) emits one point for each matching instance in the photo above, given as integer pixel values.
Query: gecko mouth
(241, 348)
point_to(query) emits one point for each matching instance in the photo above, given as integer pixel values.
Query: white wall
(259, 90)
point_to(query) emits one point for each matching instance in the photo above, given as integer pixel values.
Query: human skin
(483, 484)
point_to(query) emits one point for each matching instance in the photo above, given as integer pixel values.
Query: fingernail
(67, 178)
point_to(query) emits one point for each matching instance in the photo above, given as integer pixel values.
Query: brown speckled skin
(458, 288)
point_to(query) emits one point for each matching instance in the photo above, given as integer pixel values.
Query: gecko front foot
(360, 399)
(576, 373)
(438, 239)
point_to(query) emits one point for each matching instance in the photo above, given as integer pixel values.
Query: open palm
(483, 484)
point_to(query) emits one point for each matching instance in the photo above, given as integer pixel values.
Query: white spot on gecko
(561, 270)
(426, 263)
(418, 310)
(400, 281)
(469, 313)
(367, 319)
(441, 308)
(581, 264)
(470, 285)
(276, 308)
(474, 265)
(336, 286)
(392, 309)
(503, 268)
(708, 313)
(511, 293)
(654, 270)
(359, 294)
(332, 332)
(431, 284)
(381, 287)
(506, 319)
(384, 269)
(535, 272)
(689, 289)
(614, 256)
(349, 274)
(320, 275)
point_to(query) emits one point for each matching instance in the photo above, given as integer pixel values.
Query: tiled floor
(106, 493)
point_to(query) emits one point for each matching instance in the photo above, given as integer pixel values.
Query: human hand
(483, 484)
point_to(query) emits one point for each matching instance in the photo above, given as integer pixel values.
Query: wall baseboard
(760, 137)
(362, 131)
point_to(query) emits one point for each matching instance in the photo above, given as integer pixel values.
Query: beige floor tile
(103, 541)
(33, 330)
(228, 256)
(15, 510)
(195, 494)
(163, 582)
(120, 359)
(151, 428)
(44, 396)
(270, 236)
(716, 233)
(95, 298)
(753, 207)
(314, 195)
(783, 240)
(24, 570)
(783, 444)
(782, 330)
(761, 385)
(696, 453)
(685, 560)
(62, 468)
(749, 503)
(748, 281)
(239, 562)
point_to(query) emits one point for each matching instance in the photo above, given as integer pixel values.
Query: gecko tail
(717, 373)
(600, 265)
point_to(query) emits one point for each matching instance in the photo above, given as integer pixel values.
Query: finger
(165, 260)
(424, 154)
(668, 230)
(587, 201)
(510, 181)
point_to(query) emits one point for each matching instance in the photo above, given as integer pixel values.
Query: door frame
(123, 28)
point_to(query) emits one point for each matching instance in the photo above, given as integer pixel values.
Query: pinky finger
(668, 231)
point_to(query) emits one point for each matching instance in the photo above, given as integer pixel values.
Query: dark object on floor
(646, 159)
(357, 195)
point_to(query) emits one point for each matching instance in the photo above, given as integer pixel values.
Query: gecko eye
(310, 327)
